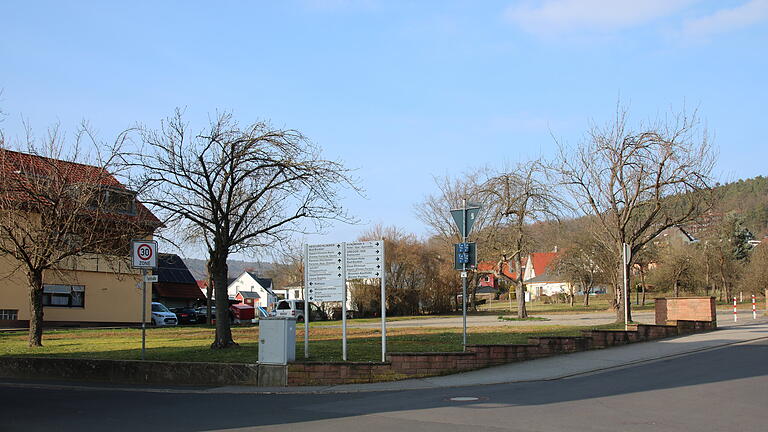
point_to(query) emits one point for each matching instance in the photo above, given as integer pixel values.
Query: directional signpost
(365, 260)
(327, 267)
(465, 253)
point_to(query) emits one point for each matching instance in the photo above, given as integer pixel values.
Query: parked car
(202, 313)
(295, 308)
(161, 316)
(335, 313)
(186, 315)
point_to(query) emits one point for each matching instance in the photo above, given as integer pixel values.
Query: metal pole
(306, 301)
(344, 301)
(624, 247)
(464, 277)
(143, 312)
(383, 304)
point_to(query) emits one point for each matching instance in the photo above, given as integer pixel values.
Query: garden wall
(413, 365)
(142, 372)
(685, 308)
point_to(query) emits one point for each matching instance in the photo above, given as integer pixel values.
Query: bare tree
(55, 212)
(579, 263)
(238, 189)
(516, 198)
(435, 212)
(639, 181)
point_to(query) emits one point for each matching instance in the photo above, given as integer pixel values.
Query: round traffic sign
(144, 251)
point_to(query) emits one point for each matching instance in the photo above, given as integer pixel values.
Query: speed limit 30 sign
(143, 253)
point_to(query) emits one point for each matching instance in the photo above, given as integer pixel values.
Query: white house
(289, 293)
(538, 278)
(252, 286)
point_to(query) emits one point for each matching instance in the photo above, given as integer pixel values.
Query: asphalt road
(717, 390)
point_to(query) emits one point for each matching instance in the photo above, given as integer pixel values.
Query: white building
(252, 286)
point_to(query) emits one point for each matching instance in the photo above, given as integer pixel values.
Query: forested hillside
(749, 199)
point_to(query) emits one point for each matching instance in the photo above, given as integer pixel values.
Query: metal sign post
(143, 313)
(344, 303)
(465, 219)
(625, 252)
(383, 308)
(306, 302)
(144, 256)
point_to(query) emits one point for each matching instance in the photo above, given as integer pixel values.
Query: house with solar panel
(175, 286)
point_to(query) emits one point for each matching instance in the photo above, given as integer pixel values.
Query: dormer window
(123, 202)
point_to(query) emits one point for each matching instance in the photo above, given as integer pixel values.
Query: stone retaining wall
(142, 372)
(412, 365)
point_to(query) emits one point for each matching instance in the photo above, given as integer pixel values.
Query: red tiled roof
(172, 290)
(541, 260)
(490, 266)
(15, 166)
(15, 163)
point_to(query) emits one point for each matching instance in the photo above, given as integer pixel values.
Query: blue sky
(401, 91)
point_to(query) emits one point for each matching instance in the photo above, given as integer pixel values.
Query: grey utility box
(277, 340)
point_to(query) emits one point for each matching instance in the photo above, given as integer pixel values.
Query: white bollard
(735, 316)
(754, 307)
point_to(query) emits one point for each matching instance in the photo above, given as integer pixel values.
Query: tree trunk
(586, 296)
(473, 292)
(642, 283)
(676, 288)
(522, 312)
(209, 293)
(223, 330)
(35, 279)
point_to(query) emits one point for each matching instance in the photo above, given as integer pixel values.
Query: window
(121, 202)
(283, 305)
(9, 314)
(112, 200)
(295, 293)
(64, 296)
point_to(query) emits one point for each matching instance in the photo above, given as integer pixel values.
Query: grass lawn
(190, 343)
(596, 304)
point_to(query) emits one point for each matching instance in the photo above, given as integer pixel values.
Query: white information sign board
(364, 260)
(325, 272)
(327, 267)
(143, 253)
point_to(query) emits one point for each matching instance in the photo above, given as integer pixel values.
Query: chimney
(555, 251)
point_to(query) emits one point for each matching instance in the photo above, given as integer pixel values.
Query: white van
(161, 316)
(295, 309)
